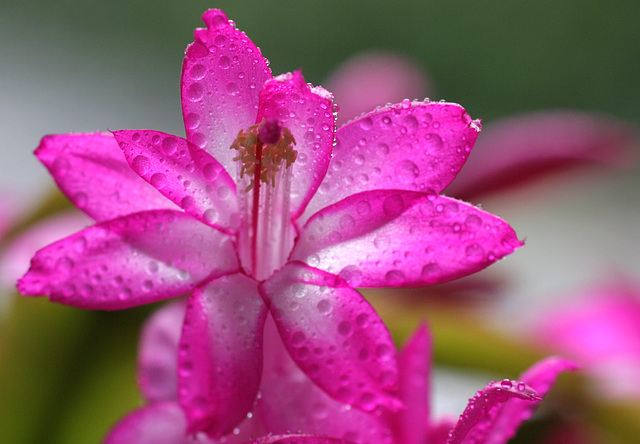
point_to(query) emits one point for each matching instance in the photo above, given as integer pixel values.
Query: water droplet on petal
(506, 383)
(393, 206)
(224, 62)
(195, 92)
(474, 252)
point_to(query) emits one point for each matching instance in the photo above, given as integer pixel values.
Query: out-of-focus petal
(291, 401)
(136, 259)
(375, 78)
(517, 149)
(334, 335)
(308, 113)
(393, 238)
(477, 419)
(503, 422)
(184, 173)
(416, 146)
(159, 423)
(222, 74)
(220, 358)
(601, 331)
(412, 423)
(158, 353)
(92, 172)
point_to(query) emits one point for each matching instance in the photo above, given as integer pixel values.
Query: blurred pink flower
(289, 400)
(375, 78)
(600, 329)
(311, 214)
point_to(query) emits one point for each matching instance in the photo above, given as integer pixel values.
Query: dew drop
(407, 171)
(232, 89)
(195, 92)
(393, 206)
(188, 202)
(366, 123)
(298, 338)
(192, 121)
(210, 216)
(158, 180)
(141, 164)
(324, 306)
(395, 277)
(430, 270)
(224, 62)
(60, 166)
(352, 275)
(345, 328)
(474, 252)
(210, 172)
(506, 383)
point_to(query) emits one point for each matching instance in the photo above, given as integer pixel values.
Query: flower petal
(373, 78)
(133, 260)
(291, 401)
(480, 413)
(184, 173)
(222, 74)
(308, 113)
(92, 172)
(414, 367)
(507, 419)
(416, 146)
(220, 358)
(158, 353)
(159, 423)
(334, 335)
(517, 149)
(392, 238)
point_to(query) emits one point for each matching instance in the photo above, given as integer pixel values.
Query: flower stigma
(265, 238)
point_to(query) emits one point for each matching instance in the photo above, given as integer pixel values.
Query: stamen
(266, 236)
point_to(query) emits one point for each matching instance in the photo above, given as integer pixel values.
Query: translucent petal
(299, 439)
(92, 172)
(220, 358)
(158, 353)
(334, 335)
(308, 113)
(416, 146)
(222, 74)
(389, 238)
(133, 260)
(185, 174)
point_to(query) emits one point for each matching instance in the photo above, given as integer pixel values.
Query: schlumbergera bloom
(290, 401)
(264, 207)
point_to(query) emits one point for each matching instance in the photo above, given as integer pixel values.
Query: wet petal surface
(133, 260)
(416, 146)
(220, 358)
(222, 74)
(92, 172)
(388, 238)
(308, 113)
(185, 174)
(334, 335)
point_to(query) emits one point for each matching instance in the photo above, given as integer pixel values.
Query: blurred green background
(67, 375)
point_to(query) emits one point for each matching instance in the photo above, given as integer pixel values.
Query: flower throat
(265, 156)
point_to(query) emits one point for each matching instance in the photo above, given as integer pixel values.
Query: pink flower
(264, 207)
(601, 331)
(289, 400)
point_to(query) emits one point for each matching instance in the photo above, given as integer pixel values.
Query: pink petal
(136, 259)
(308, 113)
(220, 357)
(372, 79)
(291, 401)
(414, 375)
(158, 353)
(477, 419)
(92, 172)
(416, 146)
(299, 439)
(185, 174)
(160, 423)
(389, 238)
(517, 149)
(222, 74)
(503, 423)
(334, 335)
